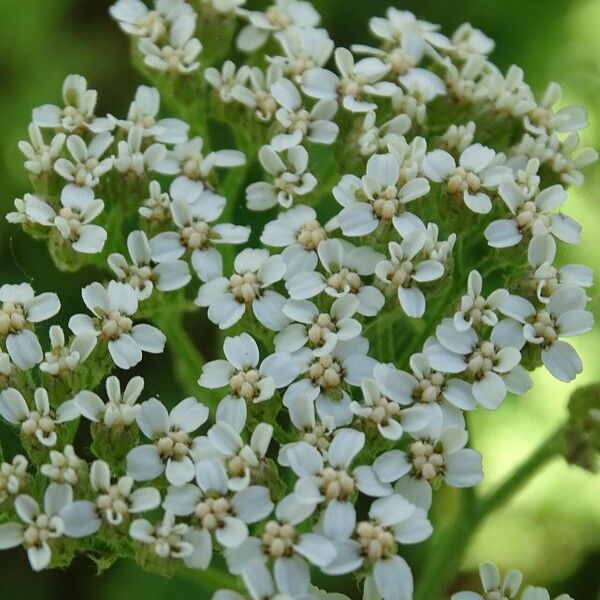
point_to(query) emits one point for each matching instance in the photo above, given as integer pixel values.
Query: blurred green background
(551, 530)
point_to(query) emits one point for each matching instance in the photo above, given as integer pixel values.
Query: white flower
(225, 80)
(489, 364)
(62, 360)
(170, 451)
(290, 180)
(348, 270)
(40, 422)
(283, 584)
(284, 544)
(73, 219)
(214, 509)
(392, 521)
(240, 459)
(297, 122)
(493, 585)
(194, 211)
(401, 22)
(379, 198)
(64, 466)
(531, 217)
(40, 157)
(299, 232)
(255, 93)
(7, 370)
(39, 529)
(141, 274)
(477, 172)
(247, 382)
(13, 478)
(227, 298)
(458, 137)
(157, 207)
(467, 40)
(436, 454)
(112, 308)
(281, 15)
(20, 309)
(326, 376)
(121, 409)
(132, 159)
(136, 19)
(376, 138)
(545, 277)
(188, 160)
(177, 53)
(562, 316)
(115, 502)
(317, 329)
(223, 6)
(542, 118)
(538, 593)
(475, 309)
(332, 483)
(385, 398)
(143, 112)
(303, 49)
(87, 165)
(168, 539)
(78, 112)
(419, 87)
(358, 81)
(19, 215)
(405, 268)
(508, 94)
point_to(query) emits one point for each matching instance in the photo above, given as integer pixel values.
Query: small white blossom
(13, 478)
(281, 15)
(404, 269)
(64, 359)
(141, 274)
(225, 80)
(73, 220)
(468, 40)
(477, 173)
(130, 157)
(40, 157)
(290, 179)
(157, 207)
(121, 409)
(20, 310)
(113, 307)
(170, 451)
(493, 585)
(375, 139)
(87, 164)
(255, 271)
(64, 466)
(143, 112)
(42, 421)
(256, 93)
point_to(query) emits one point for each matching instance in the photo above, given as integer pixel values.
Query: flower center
(38, 424)
(400, 61)
(528, 215)
(192, 168)
(175, 444)
(137, 276)
(482, 360)
(429, 389)
(114, 325)
(352, 86)
(463, 181)
(545, 327)
(376, 542)
(244, 384)
(113, 505)
(317, 332)
(387, 205)
(245, 288)
(42, 530)
(336, 484)
(383, 411)
(345, 281)
(326, 372)
(318, 436)
(311, 235)
(196, 235)
(477, 310)
(400, 274)
(152, 25)
(211, 512)
(278, 539)
(12, 318)
(427, 459)
(278, 17)
(74, 221)
(84, 170)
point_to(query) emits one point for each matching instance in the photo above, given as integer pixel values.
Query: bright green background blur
(551, 531)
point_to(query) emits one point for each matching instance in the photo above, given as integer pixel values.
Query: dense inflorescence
(373, 233)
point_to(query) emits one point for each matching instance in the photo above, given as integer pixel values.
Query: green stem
(449, 546)
(211, 579)
(187, 359)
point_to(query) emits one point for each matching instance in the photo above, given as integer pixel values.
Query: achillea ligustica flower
(377, 257)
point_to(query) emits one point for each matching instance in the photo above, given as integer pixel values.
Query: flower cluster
(378, 255)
